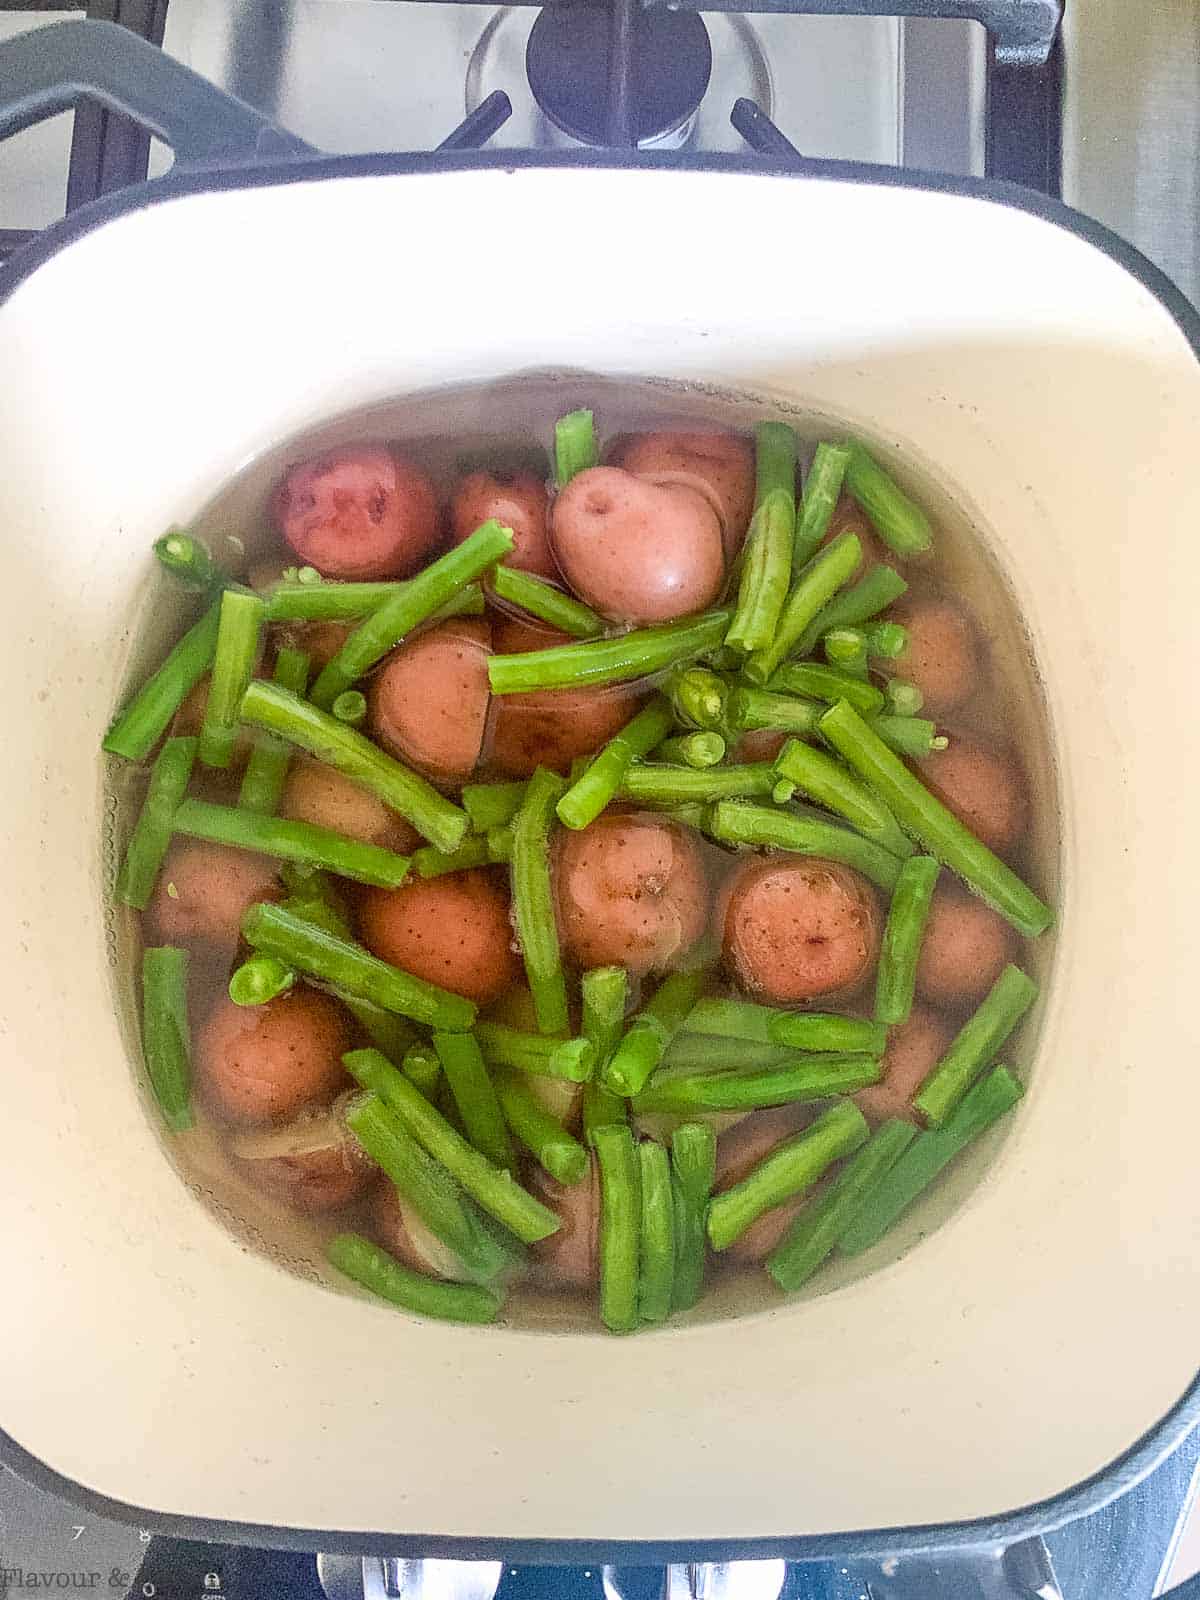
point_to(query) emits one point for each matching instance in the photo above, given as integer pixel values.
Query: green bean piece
(533, 901)
(351, 707)
(927, 820)
(821, 489)
(329, 600)
(314, 897)
(500, 844)
(656, 1283)
(620, 1227)
(575, 448)
(166, 1038)
(898, 521)
(816, 1030)
(260, 979)
(547, 602)
(830, 684)
(494, 1188)
(896, 975)
(822, 1222)
(699, 750)
(814, 587)
(775, 451)
(137, 729)
(152, 834)
(829, 784)
(656, 786)
(733, 822)
(784, 792)
(926, 1157)
(547, 1141)
(846, 649)
(788, 1171)
(694, 1171)
(472, 852)
(233, 666)
(187, 558)
(976, 1045)
(491, 805)
(766, 571)
(292, 841)
(591, 793)
(621, 659)
(605, 992)
(698, 696)
(266, 771)
(422, 1067)
(887, 640)
(387, 1032)
(909, 736)
(693, 1055)
(386, 1278)
(650, 1032)
(760, 708)
(475, 1096)
(815, 1077)
(426, 1186)
(860, 603)
(276, 931)
(346, 750)
(536, 1053)
(382, 630)
(731, 1019)
(904, 699)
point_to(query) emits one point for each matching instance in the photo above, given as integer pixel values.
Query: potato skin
(965, 948)
(631, 892)
(454, 931)
(795, 929)
(358, 512)
(316, 793)
(550, 728)
(720, 465)
(738, 1152)
(985, 789)
(914, 1048)
(637, 551)
(517, 500)
(572, 1255)
(428, 702)
(942, 657)
(214, 886)
(262, 1064)
(313, 1183)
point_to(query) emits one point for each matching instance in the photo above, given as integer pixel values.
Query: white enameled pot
(1037, 389)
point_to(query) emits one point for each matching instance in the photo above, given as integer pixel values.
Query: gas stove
(1006, 88)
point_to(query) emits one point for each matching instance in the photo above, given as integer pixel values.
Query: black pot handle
(48, 69)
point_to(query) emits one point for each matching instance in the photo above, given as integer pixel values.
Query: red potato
(572, 1255)
(261, 1064)
(738, 1152)
(203, 891)
(404, 1235)
(313, 1163)
(795, 929)
(320, 641)
(719, 465)
(965, 948)
(551, 728)
(942, 657)
(639, 552)
(760, 744)
(428, 703)
(454, 931)
(316, 793)
(849, 517)
(984, 788)
(914, 1048)
(517, 500)
(631, 892)
(358, 512)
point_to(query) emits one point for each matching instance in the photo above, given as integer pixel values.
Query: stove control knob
(698, 1580)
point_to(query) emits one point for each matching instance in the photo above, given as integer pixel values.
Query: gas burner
(553, 67)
